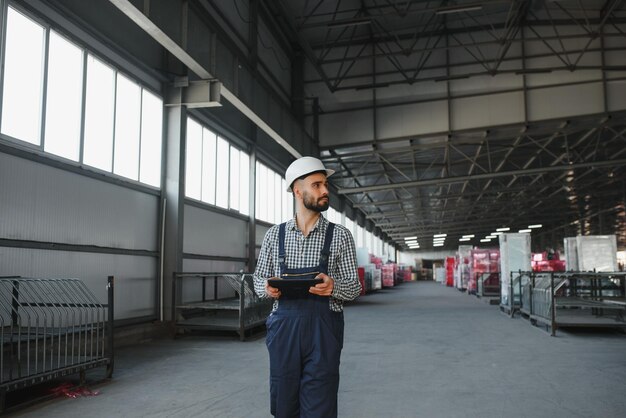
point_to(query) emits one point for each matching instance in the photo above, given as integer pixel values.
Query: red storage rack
(540, 262)
(388, 276)
(450, 264)
(361, 272)
(482, 261)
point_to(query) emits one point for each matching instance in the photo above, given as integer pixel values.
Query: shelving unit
(231, 306)
(575, 299)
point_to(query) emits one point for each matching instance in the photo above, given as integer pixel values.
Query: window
(208, 162)
(193, 168)
(63, 98)
(122, 122)
(216, 172)
(273, 203)
(23, 78)
(151, 139)
(221, 175)
(99, 108)
(127, 128)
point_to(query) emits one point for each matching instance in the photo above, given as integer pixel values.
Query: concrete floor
(419, 350)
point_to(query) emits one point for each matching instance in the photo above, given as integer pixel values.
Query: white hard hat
(303, 166)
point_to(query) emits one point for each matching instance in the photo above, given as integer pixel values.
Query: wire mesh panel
(50, 328)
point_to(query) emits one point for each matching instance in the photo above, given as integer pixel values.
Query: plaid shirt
(304, 252)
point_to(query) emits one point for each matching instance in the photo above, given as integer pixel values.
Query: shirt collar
(321, 221)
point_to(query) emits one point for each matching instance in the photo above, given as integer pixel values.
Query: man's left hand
(325, 288)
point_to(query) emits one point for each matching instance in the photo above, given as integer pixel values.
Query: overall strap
(325, 255)
(281, 248)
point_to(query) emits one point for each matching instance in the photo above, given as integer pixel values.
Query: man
(305, 329)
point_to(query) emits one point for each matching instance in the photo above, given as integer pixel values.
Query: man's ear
(296, 188)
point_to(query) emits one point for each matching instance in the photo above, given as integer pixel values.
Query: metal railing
(51, 328)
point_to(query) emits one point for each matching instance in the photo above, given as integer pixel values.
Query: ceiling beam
(460, 179)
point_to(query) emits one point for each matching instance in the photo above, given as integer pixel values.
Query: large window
(273, 203)
(121, 122)
(216, 172)
(23, 78)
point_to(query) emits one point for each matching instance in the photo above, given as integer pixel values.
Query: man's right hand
(272, 291)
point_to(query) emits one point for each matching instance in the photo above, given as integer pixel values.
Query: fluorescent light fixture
(535, 226)
(438, 245)
(469, 236)
(497, 233)
(458, 9)
(438, 240)
(440, 235)
(465, 239)
(522, 231)
(410, 242)
(503, 229)
(485, 240)
(491, 236)
(409, 238)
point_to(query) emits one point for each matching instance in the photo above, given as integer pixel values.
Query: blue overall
(304, 340)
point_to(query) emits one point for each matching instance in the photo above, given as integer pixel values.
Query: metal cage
(51, 328)
(218, 302)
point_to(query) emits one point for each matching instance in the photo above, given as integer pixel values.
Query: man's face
(314, 192)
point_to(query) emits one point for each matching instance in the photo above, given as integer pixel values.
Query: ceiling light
(440, 235)
(438, 245)
(522, 231)
(503, 229)
(535, 226)
(497, 233)
(491, 236)
(439, 240)
(486, 240)
(409, 238)
(464, 239)
(468, 236)
(458, 9)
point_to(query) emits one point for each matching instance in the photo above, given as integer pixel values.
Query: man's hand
(272, 291)
(325, 288)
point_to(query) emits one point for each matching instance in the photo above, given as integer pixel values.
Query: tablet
(293, 283)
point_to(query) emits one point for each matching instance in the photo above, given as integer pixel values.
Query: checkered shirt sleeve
(304, 252)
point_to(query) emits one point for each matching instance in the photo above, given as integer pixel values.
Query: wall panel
(616, 95)
(212, 233)
(495, 109)
(559, 102)
(414, 119)
(53, 205)
(135, 276)
(345, 127)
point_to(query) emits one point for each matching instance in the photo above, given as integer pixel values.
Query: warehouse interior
(479, 149)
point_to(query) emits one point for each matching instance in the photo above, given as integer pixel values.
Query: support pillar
(174, 193)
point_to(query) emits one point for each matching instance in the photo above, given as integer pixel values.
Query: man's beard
(318, 205)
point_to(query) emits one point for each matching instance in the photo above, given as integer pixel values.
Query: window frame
(89, 46)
